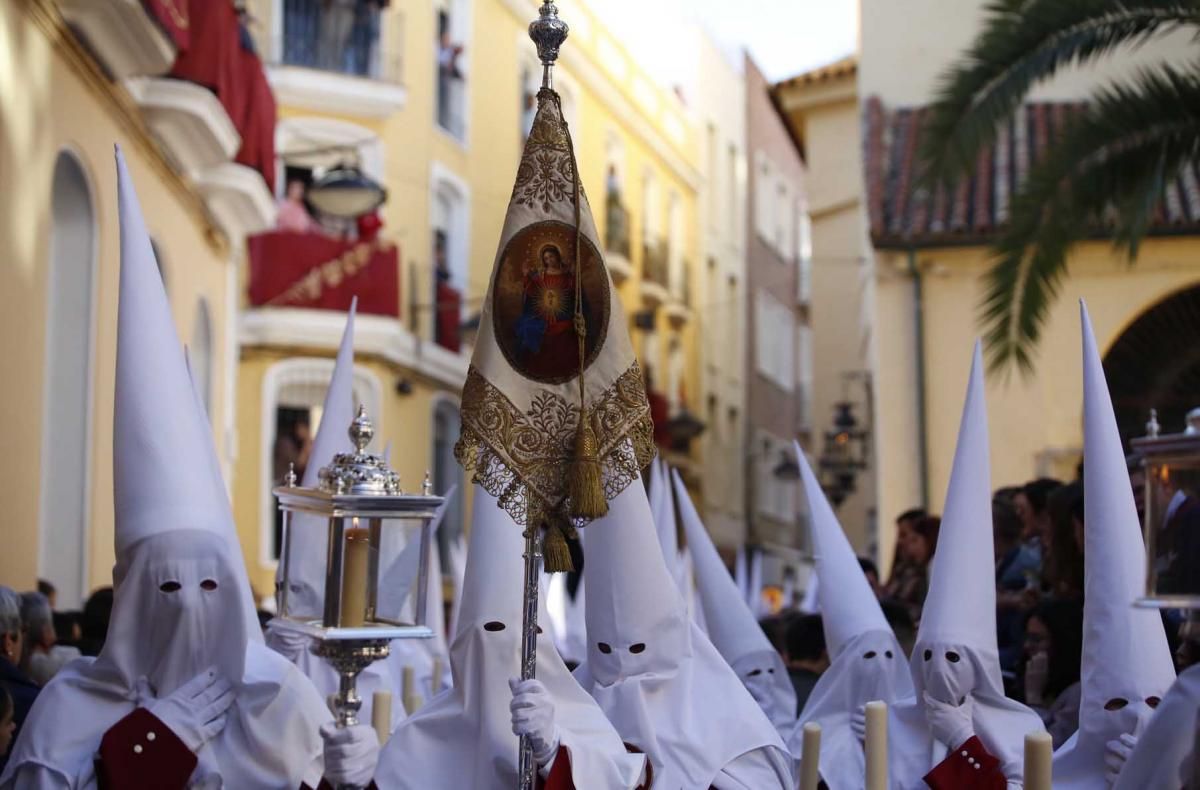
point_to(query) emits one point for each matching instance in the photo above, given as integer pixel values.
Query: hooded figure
(958, 730)
(184, 690)
(1164, 755)
(464, 737)
(866, 661)
(733, 630)
(656, 676)
(1127, 664)
(566, 619)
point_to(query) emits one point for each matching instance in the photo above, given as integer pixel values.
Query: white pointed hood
(866, 661)
(308, 533)
(731, 626)
(650, 668)
(1125, 652)
(181, 599)
(955, 654)
(463, 737)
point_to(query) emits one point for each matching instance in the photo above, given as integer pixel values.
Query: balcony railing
(338, 37)
(313, 270)
(447, 317)
(655, 263)
(616, 226)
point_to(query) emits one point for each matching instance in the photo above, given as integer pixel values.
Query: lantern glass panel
(400, 580)
(1172, 534)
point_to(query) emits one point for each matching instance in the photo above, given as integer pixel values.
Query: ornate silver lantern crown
(359, 473)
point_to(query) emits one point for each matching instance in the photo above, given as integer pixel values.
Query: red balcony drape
(314, 270)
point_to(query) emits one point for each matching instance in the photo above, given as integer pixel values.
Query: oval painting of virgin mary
(533, 302)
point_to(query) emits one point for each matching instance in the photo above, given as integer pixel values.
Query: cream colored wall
(906, 46)
(1027, 416)
(46, 106)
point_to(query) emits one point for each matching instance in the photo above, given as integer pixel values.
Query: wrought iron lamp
(369, 520)
(1172, 464)
(346, 192)
(845, 453)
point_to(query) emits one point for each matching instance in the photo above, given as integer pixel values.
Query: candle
(876, 747)
(810, 757)
(408, 690)
(1038, 749)
(354, 577)
(381, 714)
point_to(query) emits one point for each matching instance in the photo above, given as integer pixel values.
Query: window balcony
(331, 56)
(130, 38)
(655, 275)
(616, 238)
(315, 270)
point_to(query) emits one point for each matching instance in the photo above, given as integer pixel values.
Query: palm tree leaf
(1022, 43)
(1110, 170)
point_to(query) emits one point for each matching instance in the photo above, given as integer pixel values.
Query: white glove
(1116, 752)
(1037, 672)
(196, 711)
(351, 754)
(288, 643)
(858, 723)
(533, 715)
(950, 724)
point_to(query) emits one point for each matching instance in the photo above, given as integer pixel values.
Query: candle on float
(355, 565)
(1039, 748)
(381, 714)
(408, 691)
(876, 747)
(810, 757)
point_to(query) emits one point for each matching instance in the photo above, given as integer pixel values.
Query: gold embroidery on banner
(521, 458)
(545, 175)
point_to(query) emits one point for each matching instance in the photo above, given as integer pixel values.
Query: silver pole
(526, 766)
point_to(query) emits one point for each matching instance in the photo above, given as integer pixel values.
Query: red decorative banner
(314, 270)
(172, 17)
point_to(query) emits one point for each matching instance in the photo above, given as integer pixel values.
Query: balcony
(655, 274)
(679, 309)
(448, 317)
(616, 238)
(313, 270)
(129, 38)
(331, 57)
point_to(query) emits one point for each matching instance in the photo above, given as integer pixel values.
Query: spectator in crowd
(68, 628)
(1030, 502)
(871, 571)
(805, 655)
(47, 589)
(909, 585)
(22, 689)
(448, 71)
(1062, 565)
(96, 613)
(7, 724)
(902, 624)
(1007, 494)
(904, 525)
(41, 658)
(337, 22)
(1016, 581)
(293, 216)
(1178, 557)
(1050, 672)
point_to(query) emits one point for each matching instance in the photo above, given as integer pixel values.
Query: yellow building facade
(446, 149)
(63, 106)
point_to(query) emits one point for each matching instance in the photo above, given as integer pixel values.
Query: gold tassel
(556, 554)
(585, 485)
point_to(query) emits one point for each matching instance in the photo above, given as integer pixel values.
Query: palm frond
(1022, 43)
(1111, 165)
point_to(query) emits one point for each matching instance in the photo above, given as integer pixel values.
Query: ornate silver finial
(427, 485)
(1193, 422)
(361, 430)
(548, 33)
(290, 479)
(1152, 427)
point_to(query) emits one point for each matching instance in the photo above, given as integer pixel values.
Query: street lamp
(346, 192)
(845, 453)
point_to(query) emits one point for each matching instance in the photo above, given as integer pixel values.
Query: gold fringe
(585, 483)
(556, 554)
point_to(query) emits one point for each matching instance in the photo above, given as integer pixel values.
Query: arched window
(293, 395)
(200, 353)
(66, 415)
(450, 231)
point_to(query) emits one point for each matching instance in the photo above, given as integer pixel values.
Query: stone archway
(1155, 364)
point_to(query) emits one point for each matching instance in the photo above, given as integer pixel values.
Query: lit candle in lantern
(381, 714)
(876, 747)
(355, 566)
(810, 757)
(1038, 753)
